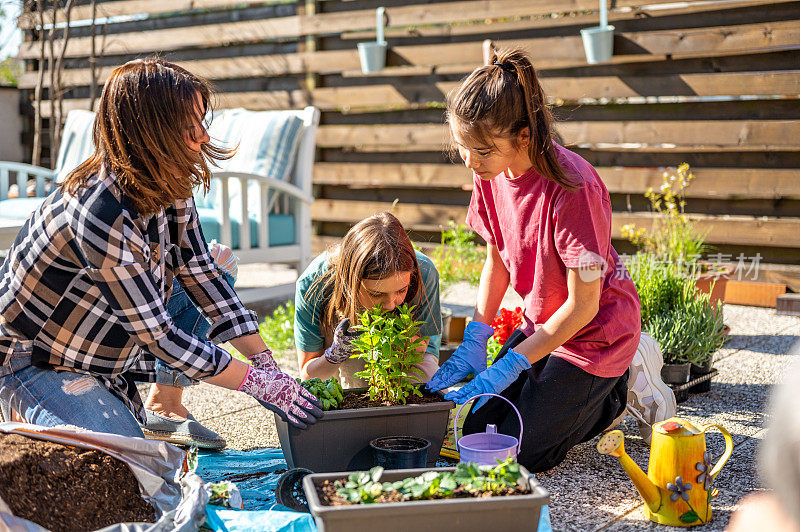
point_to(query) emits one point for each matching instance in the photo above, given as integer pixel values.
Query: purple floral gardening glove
(342, 346)
(264, 361)
(280, 393)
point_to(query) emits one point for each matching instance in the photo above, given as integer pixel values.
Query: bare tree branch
(51, 63)
(93, 59)
(59, 68)
(36, 155)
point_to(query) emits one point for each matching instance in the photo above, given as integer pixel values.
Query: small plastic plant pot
(598, 43)
(675, 373)
(372, 55)
(400, 452)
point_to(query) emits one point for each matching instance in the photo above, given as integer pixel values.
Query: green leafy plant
(692, 332)
(277, 329)
(686, 325)
(458, 258)
(672, 236)
(365, 487)
(329, 392)
(660, 284)
(390, 346)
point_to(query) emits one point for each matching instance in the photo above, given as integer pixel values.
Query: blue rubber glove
(470, 357)
(494, 380)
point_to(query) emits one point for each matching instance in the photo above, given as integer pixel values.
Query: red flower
(505, 323)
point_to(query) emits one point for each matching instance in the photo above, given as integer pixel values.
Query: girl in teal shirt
(374, 264)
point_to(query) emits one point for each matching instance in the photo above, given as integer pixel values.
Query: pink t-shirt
(540, 230)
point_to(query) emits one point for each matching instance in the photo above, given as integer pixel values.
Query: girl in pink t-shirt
(546, 218)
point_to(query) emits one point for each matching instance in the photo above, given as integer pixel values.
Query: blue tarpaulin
(256, 473)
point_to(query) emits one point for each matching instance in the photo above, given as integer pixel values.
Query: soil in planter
(328, 497)
(67, 488)
(361, 400)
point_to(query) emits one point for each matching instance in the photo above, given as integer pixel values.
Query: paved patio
(590, 491)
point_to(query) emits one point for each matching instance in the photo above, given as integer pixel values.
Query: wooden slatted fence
(715, 84)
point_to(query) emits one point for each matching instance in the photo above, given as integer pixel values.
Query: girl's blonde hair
(146, 108)
(502, 98)
(375, 248)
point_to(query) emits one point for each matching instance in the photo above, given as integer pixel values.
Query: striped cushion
(76, 142)
(267, 145)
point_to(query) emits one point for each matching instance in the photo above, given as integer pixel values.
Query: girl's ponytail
(502, 98)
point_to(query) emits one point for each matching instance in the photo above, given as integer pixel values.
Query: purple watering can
(485, 448)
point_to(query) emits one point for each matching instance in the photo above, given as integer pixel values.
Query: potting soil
(362, 400)
(67, 488)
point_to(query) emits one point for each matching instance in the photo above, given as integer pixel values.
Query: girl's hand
(470, 357)
(494, 380)
(341, 348)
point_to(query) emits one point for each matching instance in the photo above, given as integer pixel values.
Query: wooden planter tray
(682, 391)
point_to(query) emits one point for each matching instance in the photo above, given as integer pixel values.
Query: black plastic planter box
(512, 512)
(339, 441)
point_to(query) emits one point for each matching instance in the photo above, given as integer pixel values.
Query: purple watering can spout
(486, 448)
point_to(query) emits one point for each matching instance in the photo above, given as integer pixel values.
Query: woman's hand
(224, 258)
(280, 393)
(264, 361)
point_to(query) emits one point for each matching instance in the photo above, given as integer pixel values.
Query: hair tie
(505, 67)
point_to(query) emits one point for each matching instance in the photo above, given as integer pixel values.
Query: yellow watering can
(677, 487)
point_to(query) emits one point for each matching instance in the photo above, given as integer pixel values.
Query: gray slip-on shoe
(185, 432)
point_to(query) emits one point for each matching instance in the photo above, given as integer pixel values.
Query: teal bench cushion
(281, 228)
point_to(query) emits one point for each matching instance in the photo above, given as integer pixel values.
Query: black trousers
(561, 406)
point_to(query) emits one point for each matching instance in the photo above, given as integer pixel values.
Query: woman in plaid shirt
(83, 290)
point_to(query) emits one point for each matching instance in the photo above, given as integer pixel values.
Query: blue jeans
(47, 397)
(189, 319)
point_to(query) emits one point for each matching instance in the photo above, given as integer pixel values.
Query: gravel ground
(590, 491)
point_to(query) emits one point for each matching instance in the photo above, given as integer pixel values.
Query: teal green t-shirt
(308, 310)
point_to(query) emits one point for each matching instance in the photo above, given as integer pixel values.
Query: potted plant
(672, 237)
(391, 405)
(686, 324)
(466, 497)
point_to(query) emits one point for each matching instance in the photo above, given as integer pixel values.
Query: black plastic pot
(698, 371)
(340, 440)
(513, 512)
(400, 452)
(675, 373)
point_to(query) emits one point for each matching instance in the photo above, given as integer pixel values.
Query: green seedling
(390, 346)
(329, 392)
(365, 487)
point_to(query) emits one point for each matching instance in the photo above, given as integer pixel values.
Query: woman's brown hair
(146, 109)
(501, 99)
(374, 248)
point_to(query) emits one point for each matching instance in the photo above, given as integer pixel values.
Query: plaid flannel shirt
(87, 281)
